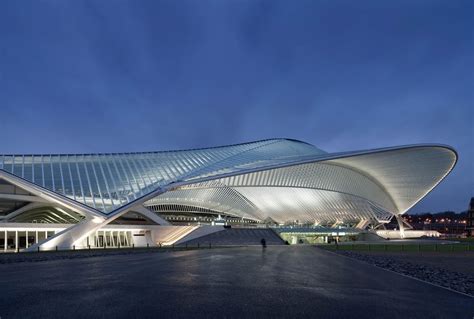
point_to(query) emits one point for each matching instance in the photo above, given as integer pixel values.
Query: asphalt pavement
(278, 282)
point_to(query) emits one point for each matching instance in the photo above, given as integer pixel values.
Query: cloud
(91, 77)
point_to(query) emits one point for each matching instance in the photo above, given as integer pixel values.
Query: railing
(114, 248)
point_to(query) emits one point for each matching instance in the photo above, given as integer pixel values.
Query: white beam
(23, 198)
(23, 209)
(149, 214)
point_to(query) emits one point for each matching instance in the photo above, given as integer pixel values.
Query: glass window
(8, 163)
(48, 174)
(76, 178)
(160, 168)
(96, 191)
(68, 179)
(103, 181)
(137, 183)
(28, 170)
(58, 182)
(18, 166)
(117, 188)
(38, 170)
(144, 162)
(140, 176)
(125, 172)
(86, 184)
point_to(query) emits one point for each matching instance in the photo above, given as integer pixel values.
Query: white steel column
(112, 238)
(400, 225)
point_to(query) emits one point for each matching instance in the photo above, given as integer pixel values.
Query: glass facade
(108, 181)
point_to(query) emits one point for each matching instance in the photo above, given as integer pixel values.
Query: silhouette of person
(263, 242)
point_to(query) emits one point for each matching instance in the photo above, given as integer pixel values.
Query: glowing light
(97, 220)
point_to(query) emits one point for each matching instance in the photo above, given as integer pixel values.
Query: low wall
(395, 234)
(200, 232)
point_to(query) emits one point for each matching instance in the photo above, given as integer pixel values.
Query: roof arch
(375, 182)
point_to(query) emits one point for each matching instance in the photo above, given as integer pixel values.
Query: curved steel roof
(279, 178)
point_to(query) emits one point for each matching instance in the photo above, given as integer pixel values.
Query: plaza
(278, 282)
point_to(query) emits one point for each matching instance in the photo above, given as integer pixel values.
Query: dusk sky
(116, 76)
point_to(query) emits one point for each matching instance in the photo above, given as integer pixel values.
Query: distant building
(447, 223)
(470, 218)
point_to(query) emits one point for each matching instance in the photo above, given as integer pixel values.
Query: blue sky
(107, 76)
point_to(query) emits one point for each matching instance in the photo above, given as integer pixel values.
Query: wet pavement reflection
(283, 281)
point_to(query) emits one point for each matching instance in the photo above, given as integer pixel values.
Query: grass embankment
(466, 240)
(403, 247)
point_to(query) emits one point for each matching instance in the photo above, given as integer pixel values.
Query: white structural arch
(279, 179)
